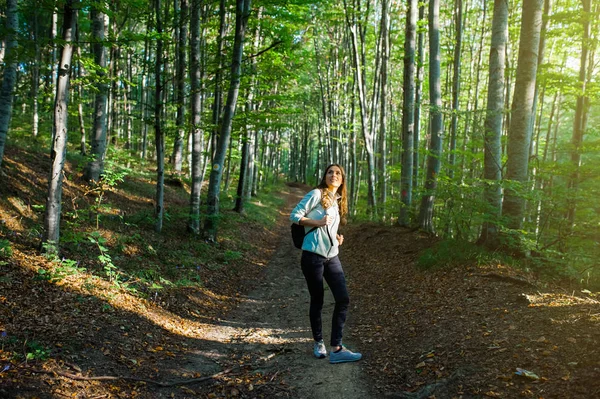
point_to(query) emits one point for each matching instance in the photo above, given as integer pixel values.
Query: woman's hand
(340, 238)
(327, 220)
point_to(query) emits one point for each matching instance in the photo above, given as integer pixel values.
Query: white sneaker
(319, 350)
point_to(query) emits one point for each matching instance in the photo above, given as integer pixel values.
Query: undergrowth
(451, 252)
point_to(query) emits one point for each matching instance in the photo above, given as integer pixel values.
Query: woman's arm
(327, 219)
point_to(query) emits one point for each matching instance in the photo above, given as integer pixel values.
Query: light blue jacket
(323, 240)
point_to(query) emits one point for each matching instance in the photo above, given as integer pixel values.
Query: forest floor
(453, 332)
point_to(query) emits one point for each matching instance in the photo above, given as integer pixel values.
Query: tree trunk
(218, 82)
(239, 200)
(159, 138)
(245, 178)
(519, 133)
(95, 167)
(384, 103)
(418, 89)
(579, 121)
(181, 95)
(82, 140)
(493, 125)
(408, 113)
(51, 235)
(10, 73)
(545, 21)
(145, 92)
(197, 133)
(35, 81)
(455, 86)
(242, 13)
(437, 126)
(364, 116)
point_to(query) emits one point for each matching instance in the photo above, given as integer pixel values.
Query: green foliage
(104, 258)
(451, 253)
(36, 351)
(230, 256)
(61, 267)
(23, 350)
(112, 175)
(5, 249)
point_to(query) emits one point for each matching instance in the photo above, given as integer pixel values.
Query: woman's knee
(343, 301)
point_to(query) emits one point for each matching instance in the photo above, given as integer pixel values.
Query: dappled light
(299, 199)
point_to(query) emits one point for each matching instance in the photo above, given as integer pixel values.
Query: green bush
(5, 249)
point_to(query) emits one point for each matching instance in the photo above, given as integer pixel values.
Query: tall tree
(519, 131)
(159, 135)
(408, 114)
(493, 124)
(384, 39)
(218, 96)
(58, 154)
(95, 167)
(245, 178)
(10, 73)
(195, 71)
(437, 126)
(418, 89)
(580, 119)
(458, 20)
(35, 78)
(181, 95)
(359, 76)
(216, 174)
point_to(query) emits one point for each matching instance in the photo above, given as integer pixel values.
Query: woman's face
(334, 177)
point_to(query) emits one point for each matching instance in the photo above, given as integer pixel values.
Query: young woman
(325, 208)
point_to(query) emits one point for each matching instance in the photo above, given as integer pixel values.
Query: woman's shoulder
(315, 193)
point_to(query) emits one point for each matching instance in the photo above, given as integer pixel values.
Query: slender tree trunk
(493, 125)
(437, 126)
(82, 140)
(51, 235)
(95, 167)
(455, 86)
(418, 89)
(242, 13)
(364, 116)
(10, 73)
(239, 199)
(384, 103)
(545, 21)
(159, 138)
(181, 95)
(53, 33)
(579, 121)
(145, 92)
(245, 178)
(408, 113)
(519, 134)
(218, 82)
(35, 82)
(128, 105)
(197, 133)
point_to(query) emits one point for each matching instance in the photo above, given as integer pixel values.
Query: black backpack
(298, 234)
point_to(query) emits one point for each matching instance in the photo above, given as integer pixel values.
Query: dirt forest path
(270, 329)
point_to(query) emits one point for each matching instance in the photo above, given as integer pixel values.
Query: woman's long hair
(343, 200)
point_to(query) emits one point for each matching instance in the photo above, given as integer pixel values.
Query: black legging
(315, 267)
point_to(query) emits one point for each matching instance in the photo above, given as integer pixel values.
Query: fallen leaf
(493, 394)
